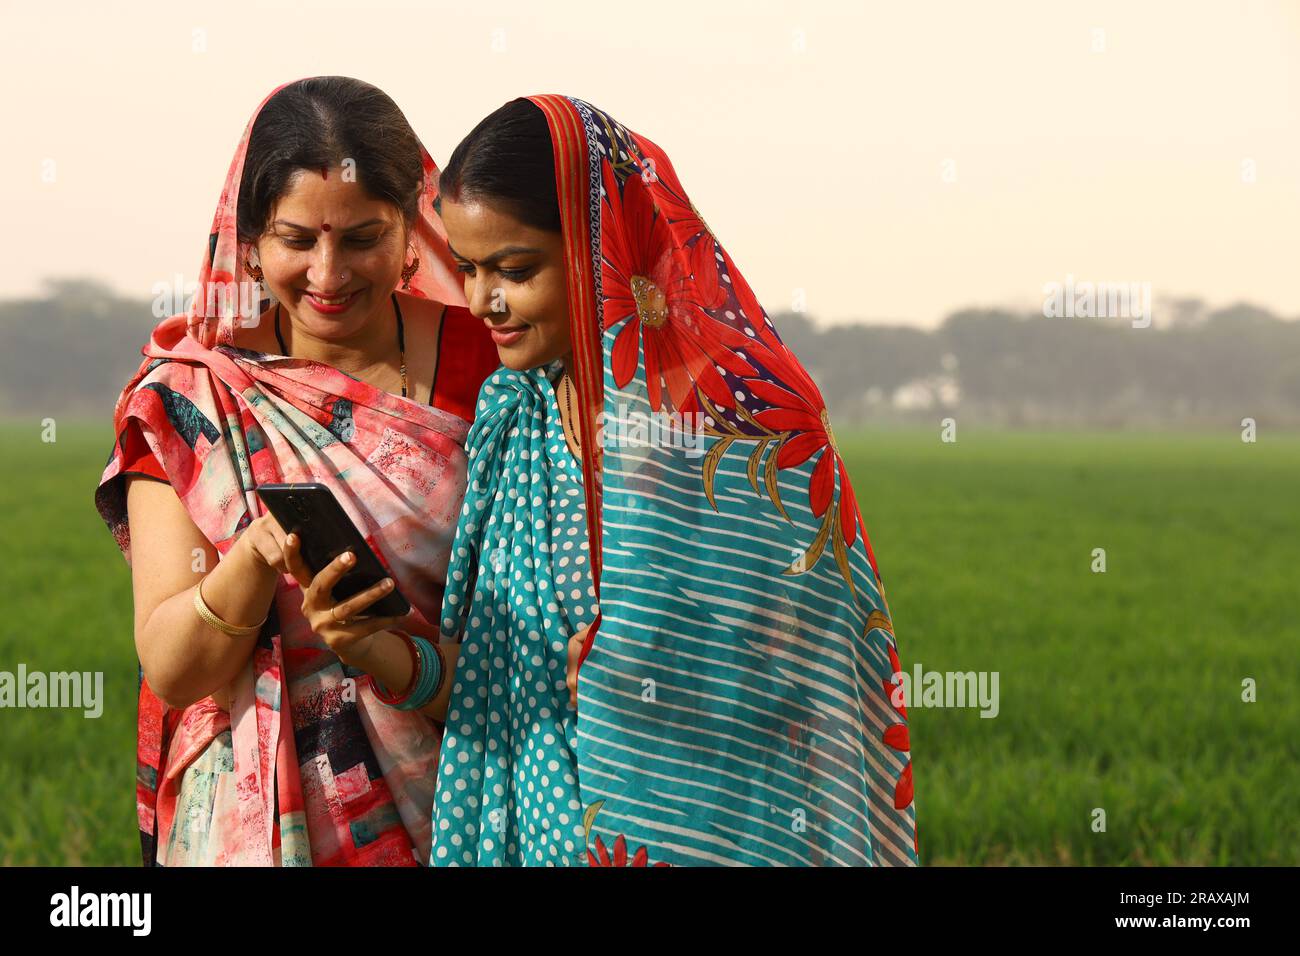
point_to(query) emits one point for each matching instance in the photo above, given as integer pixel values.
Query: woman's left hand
(575, 651)
(335, 622)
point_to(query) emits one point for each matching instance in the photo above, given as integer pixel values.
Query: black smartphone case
(325, 531)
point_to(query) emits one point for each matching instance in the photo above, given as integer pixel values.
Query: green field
(1119, 691)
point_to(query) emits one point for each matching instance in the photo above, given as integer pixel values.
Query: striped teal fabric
(728, 713)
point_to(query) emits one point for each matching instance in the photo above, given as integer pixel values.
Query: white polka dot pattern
(517, 589)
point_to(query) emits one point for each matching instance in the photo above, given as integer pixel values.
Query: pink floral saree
(308, 767)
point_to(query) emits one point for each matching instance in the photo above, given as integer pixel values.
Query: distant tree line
(70, 351)
(1199, 367)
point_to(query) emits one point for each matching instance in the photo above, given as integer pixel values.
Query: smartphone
(325, 531)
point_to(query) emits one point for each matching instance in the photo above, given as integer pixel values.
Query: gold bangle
(212, 621)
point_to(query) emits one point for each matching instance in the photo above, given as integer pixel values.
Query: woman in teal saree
(658, 511)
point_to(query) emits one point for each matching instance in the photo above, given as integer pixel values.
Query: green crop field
(1118, 691)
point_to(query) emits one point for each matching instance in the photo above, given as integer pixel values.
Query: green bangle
(426, 681)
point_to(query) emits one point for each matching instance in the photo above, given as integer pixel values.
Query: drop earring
(409, 270)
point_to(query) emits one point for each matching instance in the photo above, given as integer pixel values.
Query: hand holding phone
(310, 512)
(345, 627)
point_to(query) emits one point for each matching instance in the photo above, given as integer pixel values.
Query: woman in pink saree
(327, 341)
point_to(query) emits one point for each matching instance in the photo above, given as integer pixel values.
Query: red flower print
(893, 691)
(670, 198)
(602, 857)
(797, 406)
(660, 292)
(903, 792)
(809, 422)
(896, 735)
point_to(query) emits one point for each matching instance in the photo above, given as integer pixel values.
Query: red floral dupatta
(736, 699)
(323, 772)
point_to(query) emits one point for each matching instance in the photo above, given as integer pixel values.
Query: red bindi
(324, 172)
(325, 226)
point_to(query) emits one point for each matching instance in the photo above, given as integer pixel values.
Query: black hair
(507, 160)
(318, 123)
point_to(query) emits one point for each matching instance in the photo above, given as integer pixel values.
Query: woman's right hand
(269, 547)
(180, 656)
(268, 544)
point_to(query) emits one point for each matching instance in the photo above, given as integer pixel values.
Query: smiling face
(514, 281)
(332, 254)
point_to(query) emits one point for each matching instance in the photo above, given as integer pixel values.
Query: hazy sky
(893, 161)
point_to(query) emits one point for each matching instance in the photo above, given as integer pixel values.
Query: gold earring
(254, 271)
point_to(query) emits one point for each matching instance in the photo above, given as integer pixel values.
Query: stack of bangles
(427, 674)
